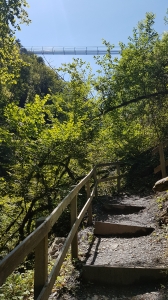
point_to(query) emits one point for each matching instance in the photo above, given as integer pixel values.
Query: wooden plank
(90, 207)
(162, 160)
(84, 209)
(95, 181)
(41, 266)
(41, 263)
(156, 149)
(74, 244)
(107, 179)
(157, 169)
(45, 293)
(17, 255)
(59, 209)
(118, 178)
(110, 178)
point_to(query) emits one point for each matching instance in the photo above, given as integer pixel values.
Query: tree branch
(135, 100)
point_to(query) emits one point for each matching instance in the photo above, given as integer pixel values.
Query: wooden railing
(38, 239)
(163, 163)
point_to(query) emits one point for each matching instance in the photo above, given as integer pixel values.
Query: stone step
(123, 275)
(123, 253)
(122, 209)
(107, 228)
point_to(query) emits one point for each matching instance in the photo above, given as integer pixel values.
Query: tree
(140, 73)
(133, 89)
(48, 142)
(35, 78)
(12, 14)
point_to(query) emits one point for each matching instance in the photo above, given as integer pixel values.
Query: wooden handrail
(55, 270)
(163, 164)
(38, 238)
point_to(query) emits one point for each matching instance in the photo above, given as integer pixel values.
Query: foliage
(166, 17)
(10, 62)
(133, 92)
(140, 73)
(18, 286)
(43, 138)
(40, 169)
(12, 14)
(35, 78)
(161, 199)
(67, 278)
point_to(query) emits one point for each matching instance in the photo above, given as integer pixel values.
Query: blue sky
(85, 23)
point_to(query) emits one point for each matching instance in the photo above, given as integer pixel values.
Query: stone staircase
(128, 245)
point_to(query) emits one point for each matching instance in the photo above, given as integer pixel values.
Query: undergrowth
(19, 286)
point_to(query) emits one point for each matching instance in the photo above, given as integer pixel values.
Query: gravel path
(146, 251)
(151, 250)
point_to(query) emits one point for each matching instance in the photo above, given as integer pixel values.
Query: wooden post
(118, 178)
(162, 160)
(90, 207)
(74, 244)
(95, 182)
(41, 263)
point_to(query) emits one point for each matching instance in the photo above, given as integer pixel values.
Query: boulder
(161, 185)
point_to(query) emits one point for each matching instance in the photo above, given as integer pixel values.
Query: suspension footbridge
(70, 50)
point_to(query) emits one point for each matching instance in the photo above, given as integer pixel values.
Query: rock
(95, 297)
(56, 247)
(161, 185)
(114, 246)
